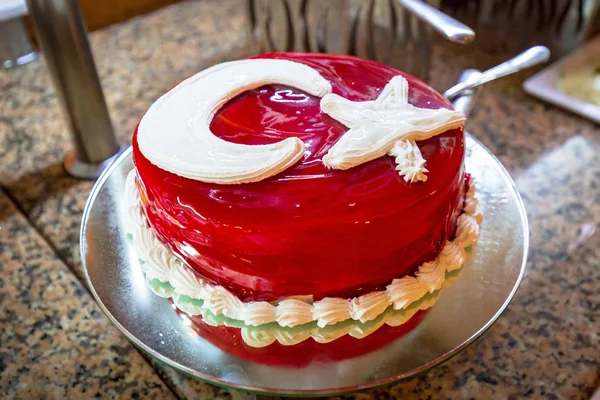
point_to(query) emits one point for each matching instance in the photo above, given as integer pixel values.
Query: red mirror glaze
(310, 230)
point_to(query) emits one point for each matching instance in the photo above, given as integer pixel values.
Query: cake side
(293, 320)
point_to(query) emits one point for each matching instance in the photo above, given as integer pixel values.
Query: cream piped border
(158, 263)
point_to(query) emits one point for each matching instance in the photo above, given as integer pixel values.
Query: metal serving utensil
(533, 56)
(464, 101)
(452, 29)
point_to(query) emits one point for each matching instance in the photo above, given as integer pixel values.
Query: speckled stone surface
(54, 340)
(546, 345)
(137, 62)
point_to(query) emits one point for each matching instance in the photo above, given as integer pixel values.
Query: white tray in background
(10, 9)
(544, 84)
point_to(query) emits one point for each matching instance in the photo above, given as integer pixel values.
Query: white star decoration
(386, 125)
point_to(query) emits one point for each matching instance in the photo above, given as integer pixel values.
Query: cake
(301, 200)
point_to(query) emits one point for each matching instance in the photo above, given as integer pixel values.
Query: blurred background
(378, 29)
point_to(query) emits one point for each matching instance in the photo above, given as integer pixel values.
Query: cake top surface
(273, 113)
(375, 125)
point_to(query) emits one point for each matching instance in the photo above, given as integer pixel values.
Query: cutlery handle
(464, 101)
(528, 58)
(449, 27)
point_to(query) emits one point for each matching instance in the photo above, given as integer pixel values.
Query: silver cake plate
(464, 311)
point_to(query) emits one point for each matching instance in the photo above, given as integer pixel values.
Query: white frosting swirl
(259, 337)
(319, 335)
(472, 208)
(132, 197)
(331, 310)
(405, 291)
(454, 255)
(360, 331)
(259, 313)
(185, 281)
(292, 312)
(470, 189)
(432, 275)
(219, 301)
(289, 339)
(158, 263)
(467, 230)
(326, 336)
(398, 319)
(369, 306)
(411, 163)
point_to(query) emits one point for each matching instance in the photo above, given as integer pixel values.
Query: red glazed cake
(295, 197)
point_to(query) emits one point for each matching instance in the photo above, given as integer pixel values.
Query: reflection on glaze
(310, 229)
(288, 96)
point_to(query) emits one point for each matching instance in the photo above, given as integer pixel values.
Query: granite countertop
(56, 343)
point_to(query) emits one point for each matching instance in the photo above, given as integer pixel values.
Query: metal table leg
(63, 38)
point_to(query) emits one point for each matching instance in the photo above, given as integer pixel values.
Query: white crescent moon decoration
(175, 133)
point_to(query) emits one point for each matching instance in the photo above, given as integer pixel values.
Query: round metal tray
(464, 311)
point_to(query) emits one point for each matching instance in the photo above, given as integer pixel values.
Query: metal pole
(62, 35)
